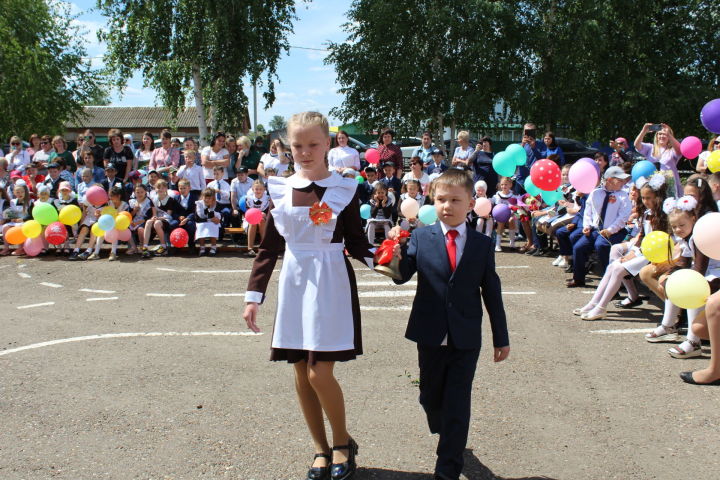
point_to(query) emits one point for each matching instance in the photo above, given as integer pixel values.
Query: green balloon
(517, 152)
(531, 188)
(504, 164)
(551, 197)
(360, 179)
(44, 213)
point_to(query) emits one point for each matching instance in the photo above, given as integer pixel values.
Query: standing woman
(713, 145)
(144, 153)
(664, 150)
(118, 154)
(389, 152)
(97, 150)
(166, 156)
(318, 313)
(343, 156)
(215, 155)
(461, 157)
(550, 147)
(482, 165)
(416, 173)
(232, 148)
(77, 154)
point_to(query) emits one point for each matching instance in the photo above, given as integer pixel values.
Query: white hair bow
(686, 204)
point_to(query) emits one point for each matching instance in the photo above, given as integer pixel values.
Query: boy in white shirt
(193, 173)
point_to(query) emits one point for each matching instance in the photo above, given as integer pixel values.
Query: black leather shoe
(688, 378)
(538, 253)
(632, 304)
(345, 470)
(320, 473)
(573, 284)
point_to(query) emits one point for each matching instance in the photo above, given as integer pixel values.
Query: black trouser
(446, 377)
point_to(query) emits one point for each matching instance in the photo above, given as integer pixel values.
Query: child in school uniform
(141, 209)
(89, 218)
(259, 199)
(222, 194)
(380, 212)
(207, 221)
(486, 224)
(505, 196)
(456, 275)
(66, 197)
(183, 211)
(410, 189)
(117, 202)
(193, 173)
(164, 205)
(20, 210)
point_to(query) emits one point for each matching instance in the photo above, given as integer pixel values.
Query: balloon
(242, 203)
(31, 229)
(642, 168)
(710, 116)
(545, 175)
(97, 231)
(372, 156)
(70, 214)
(44, 213)
(56, 233)
(583, 176)
(109, 210)
(106, 222)
(501, 213)
(483, 207)
(657, 246)
(253, 216)
(124, 214)
(33, 246)
(14, 235)
(690, 147)
(531, 188)
(360, 179)
(409, 208)
(593, 163)
(551, 197)
(504, 164)
(179, 238)
(713, 161)
(427, 214)
(706, 234)
(365, 211)
(96, 196)
(111, 235)
(122, 222)
(517, 153)
(687, 288)
(124, 235)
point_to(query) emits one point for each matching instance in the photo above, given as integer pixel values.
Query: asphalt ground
(185, 393)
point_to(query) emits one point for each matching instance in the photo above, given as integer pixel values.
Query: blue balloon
(365, 211)
(551, 197)
(427, 214)
(242, 203)
(531, 188)
(504, 164)
(643, 168)
(517, 153)
(106, 222)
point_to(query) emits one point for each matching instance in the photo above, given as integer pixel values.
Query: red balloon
(372, 156)
(179, 238)
(97, 196)
(545, 175)
(56, 233)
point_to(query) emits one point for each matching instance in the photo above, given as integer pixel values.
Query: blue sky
(305, 83)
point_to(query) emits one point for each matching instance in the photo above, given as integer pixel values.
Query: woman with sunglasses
(18, 158)
(416, 173)
(713, 144)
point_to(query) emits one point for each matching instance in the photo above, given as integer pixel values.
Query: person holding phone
(665, 150)
(532, 149)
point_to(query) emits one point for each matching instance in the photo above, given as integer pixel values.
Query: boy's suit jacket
(181, 211)
(450, 302)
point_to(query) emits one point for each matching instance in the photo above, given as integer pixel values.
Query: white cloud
(314, 92)
(286, 95)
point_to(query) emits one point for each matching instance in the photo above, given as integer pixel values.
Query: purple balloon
(710, 116)
(501, 213)
(591, 162)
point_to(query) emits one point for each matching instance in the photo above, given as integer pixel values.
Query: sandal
(5, 252)
(662, 334)
(320, 473)
(18, 253)
(686, 349)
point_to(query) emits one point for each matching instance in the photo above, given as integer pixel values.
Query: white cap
(616, 172)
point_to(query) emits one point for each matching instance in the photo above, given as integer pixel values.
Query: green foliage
(230, 40)
(277, 123)
(44, 79)
(260, 129)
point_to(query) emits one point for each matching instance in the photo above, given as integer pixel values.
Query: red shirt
(390, 153)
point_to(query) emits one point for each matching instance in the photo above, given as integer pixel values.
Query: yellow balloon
(108, 210)
(31, 229)
(657, 247)
(687, 288)
(70, 214)
(97, 231)
(713, 161)
(122, 222)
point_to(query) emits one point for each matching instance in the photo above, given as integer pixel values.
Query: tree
(277, 123)
(205, 47)
(44, 77)
(260, 129)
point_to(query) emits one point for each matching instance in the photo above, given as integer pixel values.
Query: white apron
(314, 298)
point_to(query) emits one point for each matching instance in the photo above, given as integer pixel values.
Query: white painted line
(624, 330)
(220, 271)
(383, 284)
(165, 294)
(90, 290)
(45, 304)
(519, 293)
(370, 308)
(4, 266)
(100, 299)
(127, 335)
(51, 285)
(511, 266)
(163, 269)
(22, 265)
(588, 292)
(387, 294)
(229, 294)
(375, 275)
(24, 275)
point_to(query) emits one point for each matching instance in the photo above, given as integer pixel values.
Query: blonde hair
(656, 147)
(309, 119)
(463, 135)
(244, 141)
(453, 178)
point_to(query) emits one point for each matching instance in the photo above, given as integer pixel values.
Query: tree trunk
(453, 126)
(199, 105)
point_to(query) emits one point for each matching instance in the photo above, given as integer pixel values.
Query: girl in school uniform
(66, 197)
(410, 189)
(315, 218)
(89, 218)
(164, 205)
(116, 201)
(142, 210)
(484, 225)
(505, 196)
(207, 221)
(381, 206)
(259, 199)
(20, 210)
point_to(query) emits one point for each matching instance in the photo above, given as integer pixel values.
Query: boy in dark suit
(456, 274)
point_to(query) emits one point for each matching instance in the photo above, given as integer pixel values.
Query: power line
(310, 48)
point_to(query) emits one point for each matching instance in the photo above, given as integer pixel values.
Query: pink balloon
(96, 196)
(253, 216)
(410, 208)
(583, 177)
(545, 175)
(33, 246)
(691, 147)
(501, 213)
(372, 156)
(112, 235)
(706, 233)
(124, 235)
(483, 206)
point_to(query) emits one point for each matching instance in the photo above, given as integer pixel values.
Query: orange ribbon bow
(320, 213)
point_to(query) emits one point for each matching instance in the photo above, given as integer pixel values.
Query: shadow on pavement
(474, 470)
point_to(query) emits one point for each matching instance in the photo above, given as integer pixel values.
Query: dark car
(574, 149)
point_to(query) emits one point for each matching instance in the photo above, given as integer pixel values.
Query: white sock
(692, 315)
(113, 249)
(670, 314)
(512, 239)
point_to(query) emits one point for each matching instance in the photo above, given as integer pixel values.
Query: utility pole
(255, 108)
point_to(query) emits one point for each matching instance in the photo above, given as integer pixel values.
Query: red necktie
(451, 248)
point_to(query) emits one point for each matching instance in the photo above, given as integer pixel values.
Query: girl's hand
(183, 221)
(250, 316)
(627, 257)
(215, 220)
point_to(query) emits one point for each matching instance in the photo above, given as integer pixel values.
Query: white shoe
(498, 248)
(686, 349)
(563, 263)
(595, 314)
(557, 261)
(582, 310)
(662, 334)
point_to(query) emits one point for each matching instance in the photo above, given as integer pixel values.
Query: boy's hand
(394, 233)
(570, 227)
(501, 354)
(396, 251)
(250, 316)
(586, 231)
(605, 233)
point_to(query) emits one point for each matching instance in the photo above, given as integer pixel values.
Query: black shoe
(538, 253)
(320, 473)
(569, 268)
(688, 378)
(632, 304)
(74, 256)
(574, 284)
(345, 470)
(531, 251)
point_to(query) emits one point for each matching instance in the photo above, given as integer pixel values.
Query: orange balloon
(15, 235)
(126, 214)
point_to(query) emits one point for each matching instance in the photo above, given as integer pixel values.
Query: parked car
(574, 149)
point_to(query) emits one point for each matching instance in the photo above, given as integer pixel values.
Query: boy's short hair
(370, 170)
(184, 181)
(453, 178)
(714, 179)
(218, 168)
(267, 170)
(160, 183)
